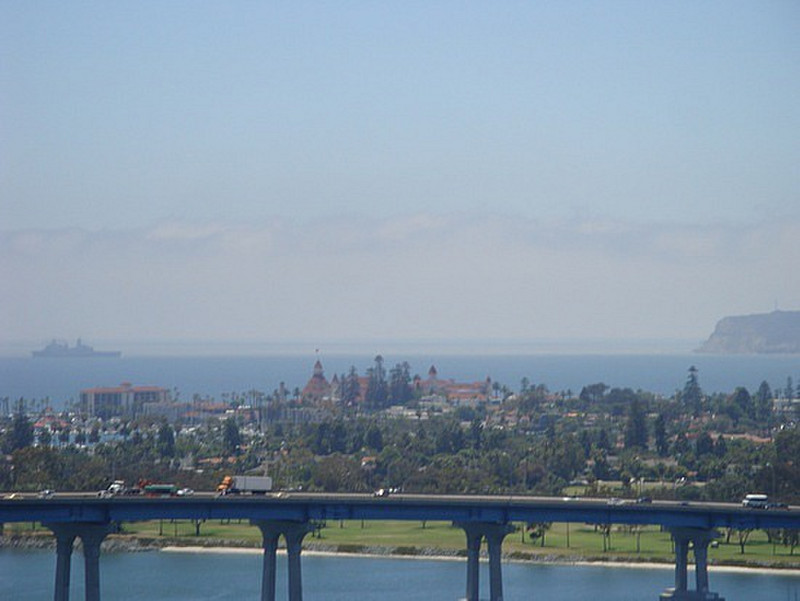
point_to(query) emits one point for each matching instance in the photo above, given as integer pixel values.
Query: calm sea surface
(28, 576)
(62, 379)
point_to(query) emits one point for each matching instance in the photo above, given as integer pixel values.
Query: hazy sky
(418, 170)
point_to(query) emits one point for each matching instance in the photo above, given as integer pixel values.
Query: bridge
(292, 515)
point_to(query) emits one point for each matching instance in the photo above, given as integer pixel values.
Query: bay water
(28, 575)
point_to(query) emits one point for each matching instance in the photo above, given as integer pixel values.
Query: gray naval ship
(60, 349)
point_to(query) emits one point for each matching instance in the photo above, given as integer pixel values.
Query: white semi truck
(256, 485)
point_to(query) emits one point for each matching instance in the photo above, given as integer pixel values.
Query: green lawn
(562, 540)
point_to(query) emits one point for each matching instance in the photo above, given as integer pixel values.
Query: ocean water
(29, 575)
(62, 379)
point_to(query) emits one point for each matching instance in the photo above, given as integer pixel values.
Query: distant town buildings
(315, 402)
(319, 389)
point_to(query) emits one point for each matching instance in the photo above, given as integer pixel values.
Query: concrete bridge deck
(82, 507)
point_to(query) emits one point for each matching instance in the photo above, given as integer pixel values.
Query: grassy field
(562, 541)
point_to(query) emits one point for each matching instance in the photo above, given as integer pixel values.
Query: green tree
(787, 446)
(763, 402)
(321, 444)
(37, 468)
(601, 469)
(692, 395)
(351, 387)
(339, 437)
(742, 536)
(336, 473)
(374, 438)
(20, 435)
(585, 440)
(537, 531)
(603, 440)
(400, 391)
(450, 438)
(330, 437)
(636, 427)
(166, 440)
(593, 393)
(790, 538)
(231, 437)
(476, 434)
(377, 392)
(743, 402)
(720, 446)
(660, 433)
(681, 444)
(566, 457)
(704, 445)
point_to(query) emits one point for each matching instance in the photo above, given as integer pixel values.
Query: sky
(442, 171)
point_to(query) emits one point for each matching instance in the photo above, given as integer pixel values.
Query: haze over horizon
(303, 174)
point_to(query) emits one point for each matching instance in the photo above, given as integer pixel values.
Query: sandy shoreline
(549, 561)
(125, 544)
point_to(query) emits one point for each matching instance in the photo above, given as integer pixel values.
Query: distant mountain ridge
(776, 332)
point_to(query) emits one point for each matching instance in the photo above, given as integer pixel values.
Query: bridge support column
(91, 536)
(269, 535)
(293, 533)
(699, 539)
(494, 534)
(701, 566)
(474, 537)
(65, 539)
(681, 565)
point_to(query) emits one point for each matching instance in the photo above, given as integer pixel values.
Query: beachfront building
(351, 389)
(456, 393)
(125, 399)
(317, 388)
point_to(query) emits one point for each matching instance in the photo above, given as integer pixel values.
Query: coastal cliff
(776, 332)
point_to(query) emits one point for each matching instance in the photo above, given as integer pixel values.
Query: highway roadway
(513, 500)
(304, 506)
(403, 498)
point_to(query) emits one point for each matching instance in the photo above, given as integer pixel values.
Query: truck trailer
(146, 487)
(234, 485)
